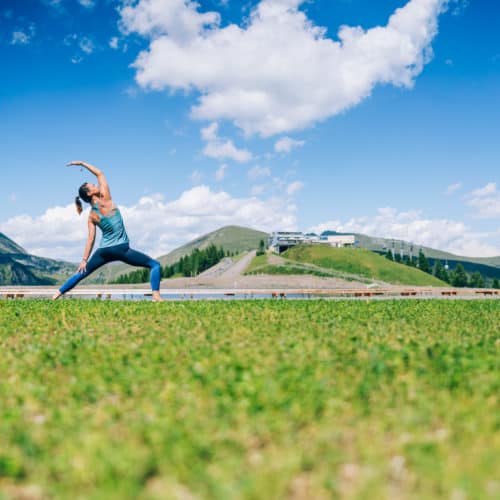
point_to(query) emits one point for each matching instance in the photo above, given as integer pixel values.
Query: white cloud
(443, 234)
(86, 45)
(257, 189)
(53, 3)
(23, 36)
(88, 4)
(258, 171)
(113, 42)
(286, 144)
(196, 176)
(221, 149)
(294, 187)
(220, 173)
(20, 38)
(452, 188)
(486, 201)
(460, 6)
(489, 189)
(83, 45)
(278, 71)
(154, 225)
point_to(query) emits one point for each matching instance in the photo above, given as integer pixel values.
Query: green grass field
(250, 399)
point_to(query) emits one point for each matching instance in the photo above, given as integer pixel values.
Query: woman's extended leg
(138, 259)
(97, 260)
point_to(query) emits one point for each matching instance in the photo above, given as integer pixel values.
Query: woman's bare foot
(157, 297)
(56, 295)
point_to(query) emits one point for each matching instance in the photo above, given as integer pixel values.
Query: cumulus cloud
(154, 225)
(294, 187)
(278, 71)
(23, 36)
(220, 173)
(258, 171)
(452, 188)
(86, 45)
(257, 189)
(83, 45)
(221, 149)
(443, 234)
(20, 38)
(113, 42)
(286, 144)
(196, 176)
(485, 200)
(88, 4)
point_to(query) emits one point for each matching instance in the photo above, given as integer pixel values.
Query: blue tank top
(113, 230)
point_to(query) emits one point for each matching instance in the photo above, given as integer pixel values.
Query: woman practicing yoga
(114, 242)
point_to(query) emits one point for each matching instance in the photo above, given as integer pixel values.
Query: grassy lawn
(250, 399)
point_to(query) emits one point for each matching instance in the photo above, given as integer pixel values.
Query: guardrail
(108, 293)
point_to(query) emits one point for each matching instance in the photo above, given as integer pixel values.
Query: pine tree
(262, 248)
(496, 284)
(423, 263)
(388, 255)
(459, 276)
(440, 272)
(476, 280)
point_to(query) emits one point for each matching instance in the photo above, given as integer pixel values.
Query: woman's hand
(77, 163)
(82, 267)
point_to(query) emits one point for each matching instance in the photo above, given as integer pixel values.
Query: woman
(114, 242)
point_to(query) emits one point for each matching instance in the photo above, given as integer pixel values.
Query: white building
(279, 241)
(339, 240)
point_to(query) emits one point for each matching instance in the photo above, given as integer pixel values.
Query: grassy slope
(232, 238)
(246, 400)
(363, 263)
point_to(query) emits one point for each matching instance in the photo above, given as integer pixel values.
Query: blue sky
(253, 113)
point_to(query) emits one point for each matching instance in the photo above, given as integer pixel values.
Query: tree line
(456, 277)
(189, 265)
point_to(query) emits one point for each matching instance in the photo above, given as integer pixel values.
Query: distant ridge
(379, 244)
(18, 267)
(9, 246)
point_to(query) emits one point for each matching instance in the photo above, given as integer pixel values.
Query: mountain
(9, 246)
(232, 238)
(18, 267)
(381, 245)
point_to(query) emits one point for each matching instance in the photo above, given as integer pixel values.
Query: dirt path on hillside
(231, 276)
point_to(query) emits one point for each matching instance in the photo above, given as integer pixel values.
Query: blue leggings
(118, 252)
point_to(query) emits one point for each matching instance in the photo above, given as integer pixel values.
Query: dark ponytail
(83, 194)
(78, 204)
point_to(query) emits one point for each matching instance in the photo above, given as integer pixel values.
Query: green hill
(18, 267)
(360, 262)
(232, 238)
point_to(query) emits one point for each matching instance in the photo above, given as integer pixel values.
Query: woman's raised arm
(103, 183)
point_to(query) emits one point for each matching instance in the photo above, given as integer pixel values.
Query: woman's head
(85, 192)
